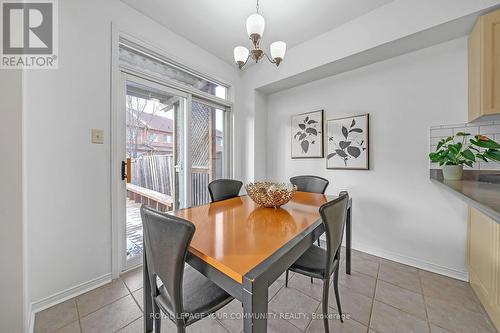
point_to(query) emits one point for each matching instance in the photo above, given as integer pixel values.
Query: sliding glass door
(207, 153)
(152, 148)
(173, 144)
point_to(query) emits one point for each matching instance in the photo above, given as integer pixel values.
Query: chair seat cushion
(312, 262)
(201, 296)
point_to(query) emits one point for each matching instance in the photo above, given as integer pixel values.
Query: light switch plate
(97, 136)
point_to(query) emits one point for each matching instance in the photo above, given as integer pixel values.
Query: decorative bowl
(269, 194)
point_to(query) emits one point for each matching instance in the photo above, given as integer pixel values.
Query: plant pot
(453, 172)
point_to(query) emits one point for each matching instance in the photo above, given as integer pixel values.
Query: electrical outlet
(97, 136)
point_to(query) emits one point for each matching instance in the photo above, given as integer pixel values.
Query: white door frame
(120, 155)
(117, 88)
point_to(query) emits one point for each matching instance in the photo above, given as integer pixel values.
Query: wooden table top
(236, 235)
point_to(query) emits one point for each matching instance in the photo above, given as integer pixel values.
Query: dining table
(244, 248)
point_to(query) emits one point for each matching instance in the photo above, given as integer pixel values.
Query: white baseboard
(64, 295)
(418, 263)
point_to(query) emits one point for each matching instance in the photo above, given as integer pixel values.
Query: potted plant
(453, 152)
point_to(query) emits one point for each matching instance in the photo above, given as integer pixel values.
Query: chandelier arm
(243, 65)
(272, 61)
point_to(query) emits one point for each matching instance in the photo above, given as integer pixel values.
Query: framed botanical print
(307, 135)
(347, 143)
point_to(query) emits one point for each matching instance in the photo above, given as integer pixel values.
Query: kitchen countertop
(485, 197)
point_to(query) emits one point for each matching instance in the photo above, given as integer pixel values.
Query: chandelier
(255, 30)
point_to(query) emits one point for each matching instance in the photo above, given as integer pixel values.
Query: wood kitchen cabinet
(484, 261)
(484, 67)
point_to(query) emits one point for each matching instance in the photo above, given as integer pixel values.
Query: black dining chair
(312, 184)
(322, 263)
(222, 189)
(184, 295)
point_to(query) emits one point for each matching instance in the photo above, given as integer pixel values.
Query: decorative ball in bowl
(269, 194)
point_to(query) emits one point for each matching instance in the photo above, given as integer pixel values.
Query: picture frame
(307, 138)
(347, 143)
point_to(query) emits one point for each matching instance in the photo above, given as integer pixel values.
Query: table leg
(348, 240)
(254, 306)
(146, 296)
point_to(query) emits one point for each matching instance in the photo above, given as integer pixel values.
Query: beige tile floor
(380, 296)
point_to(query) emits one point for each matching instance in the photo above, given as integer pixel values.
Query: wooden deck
(134, 229)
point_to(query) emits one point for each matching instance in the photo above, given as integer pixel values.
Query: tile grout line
(131, 294)
(309, 324)
(102, 307)
(373, 299)
(78, 314)
(425, 303)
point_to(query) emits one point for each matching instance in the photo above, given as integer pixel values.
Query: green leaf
(485, 144)
(454, 149)
(462, 134)
(468, 163)
(492, 154)
(469, 155)
(480, 156)
(451, 156)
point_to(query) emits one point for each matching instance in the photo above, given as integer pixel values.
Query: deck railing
(154, 174)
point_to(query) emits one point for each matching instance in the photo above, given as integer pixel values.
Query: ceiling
(219, 26)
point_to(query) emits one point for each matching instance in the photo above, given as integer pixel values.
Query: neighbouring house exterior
(153, 134)
(149, 134)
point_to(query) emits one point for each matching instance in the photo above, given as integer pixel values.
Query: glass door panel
(153, 146)
(207, 152)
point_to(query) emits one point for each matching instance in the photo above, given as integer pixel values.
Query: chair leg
(157, 316)
(336, 289)
(286, 279)
(326, 285)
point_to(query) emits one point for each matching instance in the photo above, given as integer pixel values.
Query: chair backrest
(222, 189)
(166, 242)
(313, 184)
(334, 214)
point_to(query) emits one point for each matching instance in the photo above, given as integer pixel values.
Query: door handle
(127, 170)
(124, 170)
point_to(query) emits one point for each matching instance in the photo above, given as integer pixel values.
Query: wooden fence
(155, 173)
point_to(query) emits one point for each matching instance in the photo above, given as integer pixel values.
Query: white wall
(67, 180)
(11, 224)
(398, 213)
(68, 189)
(366, 39)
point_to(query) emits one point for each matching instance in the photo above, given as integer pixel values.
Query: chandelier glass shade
(255, 25)
(255, 29)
